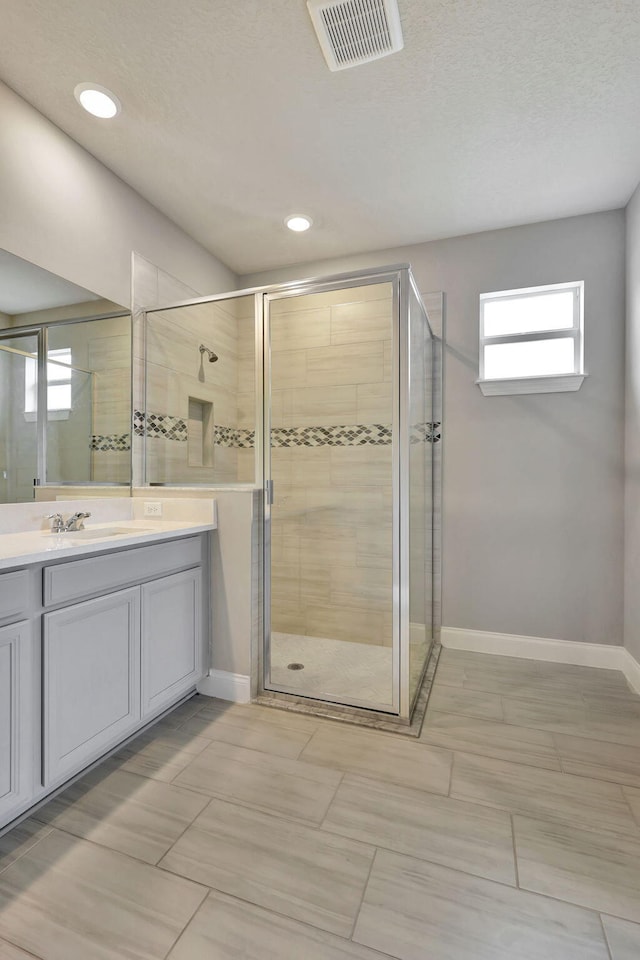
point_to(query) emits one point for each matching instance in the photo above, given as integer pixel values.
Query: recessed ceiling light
(298, 222)
(97, 100)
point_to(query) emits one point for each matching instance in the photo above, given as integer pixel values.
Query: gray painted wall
(632, 436)
(63, 210)
(533, 485)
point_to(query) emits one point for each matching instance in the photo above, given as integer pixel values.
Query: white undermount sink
(97, 533)
(93, 534)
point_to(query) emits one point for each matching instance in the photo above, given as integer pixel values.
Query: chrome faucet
(76, 522)
(60, 525)
(57, 522)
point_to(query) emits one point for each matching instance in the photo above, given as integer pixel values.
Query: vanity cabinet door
(91, 681)
(15, 719)
(171, 639)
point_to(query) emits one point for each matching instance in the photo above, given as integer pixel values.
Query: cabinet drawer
(82, 578)
(14, 595)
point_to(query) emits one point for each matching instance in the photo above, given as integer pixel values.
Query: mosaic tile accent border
(101, 443)
(159, 425)
(235, 437)
(341, 435)
(349, 435)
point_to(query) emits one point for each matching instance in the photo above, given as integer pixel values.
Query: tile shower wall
(194, 408)
(94, 441)
(331, 465)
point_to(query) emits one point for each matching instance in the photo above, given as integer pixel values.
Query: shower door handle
(268, 489)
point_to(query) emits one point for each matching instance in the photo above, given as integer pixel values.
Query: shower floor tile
(338, 669)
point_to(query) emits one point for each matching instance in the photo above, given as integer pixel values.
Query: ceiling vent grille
(352, 32)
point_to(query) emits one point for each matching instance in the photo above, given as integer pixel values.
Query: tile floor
(509, 831)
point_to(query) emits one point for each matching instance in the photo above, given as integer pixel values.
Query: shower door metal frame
(397, 276)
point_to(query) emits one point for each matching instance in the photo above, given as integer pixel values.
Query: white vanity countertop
(21, 547)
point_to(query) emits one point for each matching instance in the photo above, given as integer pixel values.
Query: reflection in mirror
(65, 351)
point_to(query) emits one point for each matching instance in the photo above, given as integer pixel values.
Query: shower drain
(295, 666)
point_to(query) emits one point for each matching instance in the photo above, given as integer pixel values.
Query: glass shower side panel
(199, 421)
(88, 427)
(18, 417)
(420, 412)
(330, 528)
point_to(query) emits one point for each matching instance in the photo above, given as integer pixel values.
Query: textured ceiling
(497, 112)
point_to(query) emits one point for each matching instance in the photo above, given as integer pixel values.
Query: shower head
(212, 357)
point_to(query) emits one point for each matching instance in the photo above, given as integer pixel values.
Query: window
(58, 382)
(531, 340)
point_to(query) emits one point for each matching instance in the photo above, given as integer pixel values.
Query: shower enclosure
(322, 395)
(65, 405)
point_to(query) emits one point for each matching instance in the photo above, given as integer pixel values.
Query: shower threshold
(325, 659)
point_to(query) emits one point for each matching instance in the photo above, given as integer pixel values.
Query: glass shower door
(417, 478)
(329, 449)
(18, 416)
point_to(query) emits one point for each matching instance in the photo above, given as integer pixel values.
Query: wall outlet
(153, 508)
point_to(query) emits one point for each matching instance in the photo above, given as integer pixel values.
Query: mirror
(66, 351)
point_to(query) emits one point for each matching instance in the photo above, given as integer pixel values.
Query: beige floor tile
(297, 870)
(633, 799)
(599, 759)
(289, 788)
(9, 952)
(541, 793)
(624, 705)
(468, 703)
(383, 757)
(414, 910)
(595, 869)
(246, 714)
(530, 679)
(163, 756)
(67, 899)
(252, 731)
(466, 836)
(227, 929)
(16, 842)
(623, 938)
(573, 720)
(490, 739)
(131, 814)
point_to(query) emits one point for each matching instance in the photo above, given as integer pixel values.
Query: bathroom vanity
(101, 631)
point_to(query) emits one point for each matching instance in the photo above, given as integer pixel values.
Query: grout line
(207, 891)
(364, 891)
(502, 710)
(557, 749)
(182, 832)
(330, 804)
(515, 852)
(605, 937)
(453, 760)
(628, 803)
(43, 825)
(381, 847)
(118, 853)
(12, 943)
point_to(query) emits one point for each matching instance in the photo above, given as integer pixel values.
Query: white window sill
(31, 416)
(563, 384)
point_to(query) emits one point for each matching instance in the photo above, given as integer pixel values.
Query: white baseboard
(602, 655)
(226, 686)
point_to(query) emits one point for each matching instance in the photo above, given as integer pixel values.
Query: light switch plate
(153, 508)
